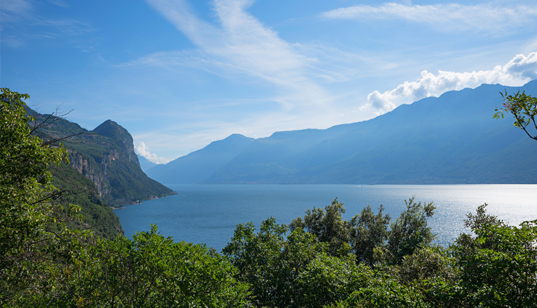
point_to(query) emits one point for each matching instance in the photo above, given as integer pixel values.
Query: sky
(179, 74)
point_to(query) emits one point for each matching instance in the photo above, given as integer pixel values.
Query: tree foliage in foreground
(148, 271)
(29, 247)
(523, 107)
(496, 266)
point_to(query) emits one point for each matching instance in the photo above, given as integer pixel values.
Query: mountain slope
(80, 191)
(450, 139)
(198, 165)
(106, 157)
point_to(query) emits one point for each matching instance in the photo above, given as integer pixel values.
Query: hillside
(80, 191)
(452, 139)
(106, 157)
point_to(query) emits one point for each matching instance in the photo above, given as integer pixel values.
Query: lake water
(209, 213)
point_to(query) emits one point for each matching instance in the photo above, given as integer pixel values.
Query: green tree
(383, 290)
(498, 264)
(328, 226)
(432, 271)
(327, 279)
(150, 271)
(369, 232)
(29, 247)
(293, 271)
(410, 230)
(523, 108)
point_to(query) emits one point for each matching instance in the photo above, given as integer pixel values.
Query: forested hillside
(103, 172)
(106, 157)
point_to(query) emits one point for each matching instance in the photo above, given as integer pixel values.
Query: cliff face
(121, 137)
(94, 172)
(106, 157)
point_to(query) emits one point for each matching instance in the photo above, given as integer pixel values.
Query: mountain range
(451, 139)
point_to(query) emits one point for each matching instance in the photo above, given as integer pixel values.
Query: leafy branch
(523, 107)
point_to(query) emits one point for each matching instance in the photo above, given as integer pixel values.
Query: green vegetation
(79, 190)
(30, 241)
(388, 267)
(523, 108)
(319, 260)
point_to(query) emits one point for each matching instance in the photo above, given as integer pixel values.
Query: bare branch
(53, 117)
(52, 141)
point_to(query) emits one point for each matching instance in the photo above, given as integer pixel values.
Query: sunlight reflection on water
(209, 213)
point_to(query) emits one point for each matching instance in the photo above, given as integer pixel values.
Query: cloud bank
(142, 150)
(445, 17)
(518, 71)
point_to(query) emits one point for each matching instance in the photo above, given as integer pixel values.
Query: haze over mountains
(452, 139)
(199, 165)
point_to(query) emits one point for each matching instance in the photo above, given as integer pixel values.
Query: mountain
(103, 171)
(106, 157)
(197, 166)
(145, 164)
(451, 139)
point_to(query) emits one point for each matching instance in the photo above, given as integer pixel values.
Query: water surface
(209, 213)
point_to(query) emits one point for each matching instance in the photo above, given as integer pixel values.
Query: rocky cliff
(106, 157)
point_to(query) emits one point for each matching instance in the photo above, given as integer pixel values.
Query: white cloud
(446, 17)
(518, 71)
(243, 45)
(142, 150)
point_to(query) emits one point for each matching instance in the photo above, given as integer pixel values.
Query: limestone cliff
(106, 157)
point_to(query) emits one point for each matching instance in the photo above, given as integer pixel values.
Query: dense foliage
(319, 260)
(387, 267)
(28, 246)
(77, 189)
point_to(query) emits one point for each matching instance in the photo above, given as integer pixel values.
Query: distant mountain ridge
(145, 164)
(197, 166)
(452, 139)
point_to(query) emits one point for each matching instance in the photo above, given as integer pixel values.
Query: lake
(209, 213)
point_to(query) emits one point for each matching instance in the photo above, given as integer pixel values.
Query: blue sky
(179, 74)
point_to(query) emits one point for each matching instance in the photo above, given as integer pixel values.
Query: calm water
(209, 213)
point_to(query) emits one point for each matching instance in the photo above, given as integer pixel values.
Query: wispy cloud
(60, 3)
(12, 10)
(20, 16)
(243, 45)
(445, 17)
(519, 70)
(142, 150)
